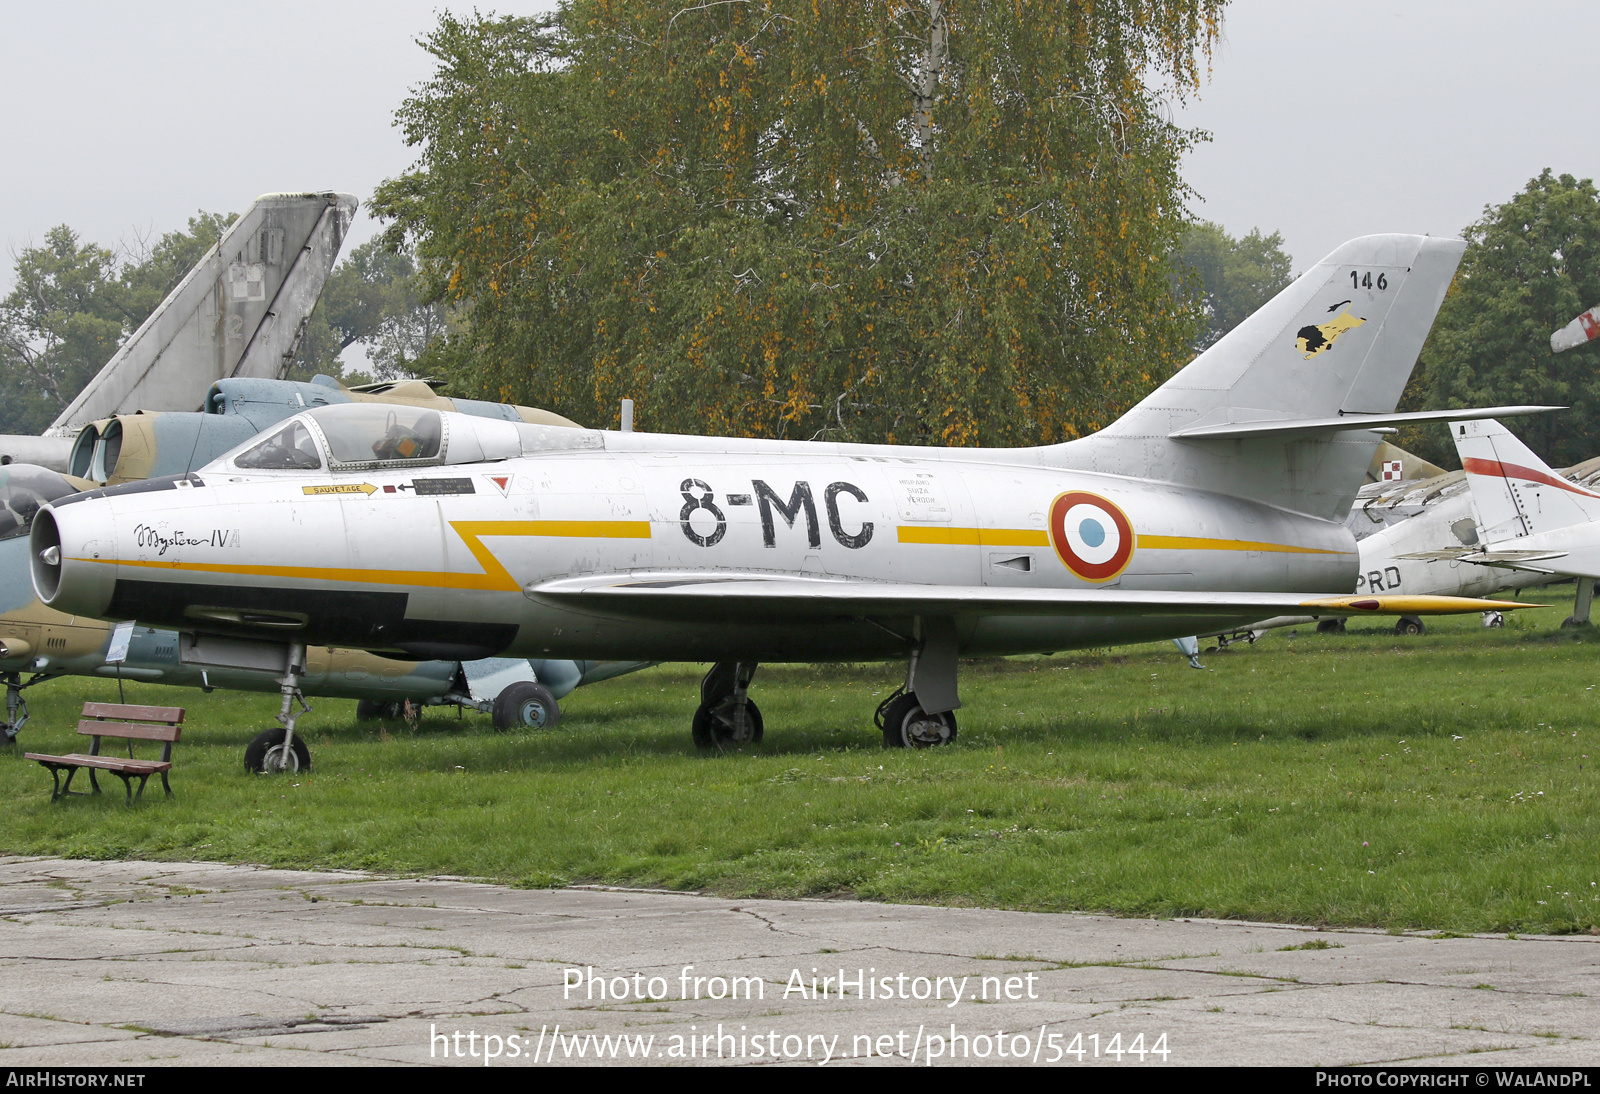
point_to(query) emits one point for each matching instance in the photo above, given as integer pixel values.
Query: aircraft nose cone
(65, 558)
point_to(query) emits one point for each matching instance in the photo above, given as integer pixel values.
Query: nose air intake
(72, 554)
(45, 556)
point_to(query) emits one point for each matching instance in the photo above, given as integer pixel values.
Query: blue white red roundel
(1091, 535)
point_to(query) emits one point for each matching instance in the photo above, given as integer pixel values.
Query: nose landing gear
(279, 751)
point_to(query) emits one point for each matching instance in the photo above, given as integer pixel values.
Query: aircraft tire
(710, 731)
(368, 710)
(525, 705)
(1330, 626)
(264, 747)
(1409, 624)
(906, 726)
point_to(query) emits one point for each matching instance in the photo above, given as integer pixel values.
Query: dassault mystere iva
(1215, 501)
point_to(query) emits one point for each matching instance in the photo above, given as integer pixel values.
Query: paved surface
(134, 963)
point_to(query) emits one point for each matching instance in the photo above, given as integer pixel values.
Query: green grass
(1315, 780)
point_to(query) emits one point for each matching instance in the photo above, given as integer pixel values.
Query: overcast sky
(1328, 120)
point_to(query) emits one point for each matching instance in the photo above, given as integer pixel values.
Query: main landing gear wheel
(726, 718)
(1330, 626)
(713, 725)
(368, 710)
(525, 704)
(265, 754)
(1409, 624)
(906, 725)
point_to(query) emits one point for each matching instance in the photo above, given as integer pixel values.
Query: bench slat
(133, 711)
(132, 730)
(104, 763)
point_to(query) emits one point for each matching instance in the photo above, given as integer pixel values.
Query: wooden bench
(125, 721)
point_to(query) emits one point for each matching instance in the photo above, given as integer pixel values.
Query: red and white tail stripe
(1584, 329)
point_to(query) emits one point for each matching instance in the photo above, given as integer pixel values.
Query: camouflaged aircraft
(240, 312)
(1217, 500)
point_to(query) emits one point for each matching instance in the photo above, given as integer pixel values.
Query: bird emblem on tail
(1311, 340)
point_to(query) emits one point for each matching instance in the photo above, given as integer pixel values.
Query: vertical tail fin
(1342, 339)
(1516, 493)
(239, 312)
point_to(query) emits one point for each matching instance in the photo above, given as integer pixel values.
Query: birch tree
(918, 221)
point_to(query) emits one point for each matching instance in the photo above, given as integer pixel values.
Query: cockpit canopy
(362, 436)
(289, 449)
(355, 435)
(366, 433)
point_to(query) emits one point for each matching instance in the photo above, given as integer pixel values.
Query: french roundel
(1091, 535)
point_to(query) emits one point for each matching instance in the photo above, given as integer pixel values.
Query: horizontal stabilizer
(749, 599)
(1484, 558)
(1504, 560)
(1286, 426)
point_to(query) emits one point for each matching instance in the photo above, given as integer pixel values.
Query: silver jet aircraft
(131, 447)
(200, 377)
(1217, 500)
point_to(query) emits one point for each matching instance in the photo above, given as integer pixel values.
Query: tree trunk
(928, 84)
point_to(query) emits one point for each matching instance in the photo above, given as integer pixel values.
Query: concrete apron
(141, 963)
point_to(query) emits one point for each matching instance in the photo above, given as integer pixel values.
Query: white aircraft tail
(1515, 493)
(240, 312)
(1281, 409)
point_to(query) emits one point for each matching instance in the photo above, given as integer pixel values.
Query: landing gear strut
(278, 751)
(726, 718)
(16, 706)
(1580, 604)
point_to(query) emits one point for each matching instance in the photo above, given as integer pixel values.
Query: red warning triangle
(501, 482)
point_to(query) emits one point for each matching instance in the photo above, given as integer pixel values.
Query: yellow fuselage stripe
(495, 577)
(974, 537)
(1030, 537)
(1194, 543)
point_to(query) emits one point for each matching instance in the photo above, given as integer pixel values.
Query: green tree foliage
(1531, 266)
(62, 320)
(372, 298)
(73, 304)
(1232, 277)
(922, 221)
